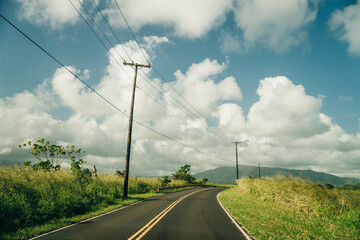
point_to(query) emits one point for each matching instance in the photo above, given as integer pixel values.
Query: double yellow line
(141, 233)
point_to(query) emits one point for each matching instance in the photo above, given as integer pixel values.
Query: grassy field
(283, 208)
(32, 202)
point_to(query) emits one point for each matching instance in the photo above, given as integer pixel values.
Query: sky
(281, 77)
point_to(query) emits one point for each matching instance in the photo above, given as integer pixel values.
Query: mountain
(227, 175)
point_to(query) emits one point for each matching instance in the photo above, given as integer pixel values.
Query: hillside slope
(227, 175)
(291, 208)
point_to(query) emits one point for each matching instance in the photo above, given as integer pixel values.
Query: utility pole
(237, 166)
(128, 148)
(259, 171)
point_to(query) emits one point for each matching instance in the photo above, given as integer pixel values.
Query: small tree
(120, 173)
(204, 180)
(184, 174)
(50, 156)
(165, 180)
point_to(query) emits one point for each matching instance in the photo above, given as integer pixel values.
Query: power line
(171, 112)
(102, 97)
(182, 107)
(219, 131)
(192, 106)
(132, 33)
(51, 56)
(97, 36)
(111, 44)
(112, 30)
(194, 117)
(119, 53)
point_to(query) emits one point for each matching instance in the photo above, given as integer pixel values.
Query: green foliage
(204, 180)
(31, 198)
(50, 156)
(291, 208)
(184, 174)
(82, 175)
(165, 180)
(120, 173)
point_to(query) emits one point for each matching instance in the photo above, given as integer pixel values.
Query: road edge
(85, 220)
(243, 231)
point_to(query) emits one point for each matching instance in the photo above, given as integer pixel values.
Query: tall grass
(30, 198)
(283, 208)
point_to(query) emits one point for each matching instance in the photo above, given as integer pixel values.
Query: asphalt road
(189, 214)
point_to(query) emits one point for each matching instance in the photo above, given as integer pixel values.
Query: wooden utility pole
(128, 148)
(237, 165)
(259, 171)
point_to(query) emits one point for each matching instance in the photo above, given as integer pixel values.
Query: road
(189, 214)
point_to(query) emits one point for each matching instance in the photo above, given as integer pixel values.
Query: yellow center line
(141, 233)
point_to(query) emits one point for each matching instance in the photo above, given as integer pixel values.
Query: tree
(164, 181)
(120, 173)
(184, 174)
(204, 180)
(50, 156)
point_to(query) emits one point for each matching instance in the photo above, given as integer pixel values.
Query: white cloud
(152, 42)
(284, 109)
(284, 128)
(276, 24)
(5, 150)
(346, 98)
(53, 13)
(190, 19)
(198, 87)
(346, 23)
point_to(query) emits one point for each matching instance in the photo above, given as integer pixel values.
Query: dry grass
(283, 208)
(30, 199)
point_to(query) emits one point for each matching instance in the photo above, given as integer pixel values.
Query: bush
(165, 180)
(184, 174)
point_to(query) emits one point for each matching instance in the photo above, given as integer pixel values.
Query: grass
(34, 202)
(291, 208)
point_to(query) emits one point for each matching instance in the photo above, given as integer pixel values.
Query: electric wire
(111, 29)
(111, 44)
(172, 113)
(97, 36)
(149, 82)
(181, 106)
(221, 132)
(193, 116)
(102, 97)
(191, 105)
(132, 33)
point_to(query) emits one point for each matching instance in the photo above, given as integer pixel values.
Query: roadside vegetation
(29, 199)
(291, 208)
(41, 196)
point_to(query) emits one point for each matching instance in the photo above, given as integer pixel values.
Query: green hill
(227, 175)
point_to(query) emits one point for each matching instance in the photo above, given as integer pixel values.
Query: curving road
(189, 214)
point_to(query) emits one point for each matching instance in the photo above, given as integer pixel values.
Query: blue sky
(282, 78)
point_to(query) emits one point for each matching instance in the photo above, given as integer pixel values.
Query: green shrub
(31, 198)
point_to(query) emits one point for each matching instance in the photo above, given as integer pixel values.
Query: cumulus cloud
(188, 18)
(346, 24)
(276, 24)
(54, 13)
(284, 109)
(101, 130)
(283, 128)
(197, 86)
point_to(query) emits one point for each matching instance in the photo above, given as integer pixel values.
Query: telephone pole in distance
(128, 148)
(237, 165)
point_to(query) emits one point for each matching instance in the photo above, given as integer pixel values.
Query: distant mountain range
(227, 175)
